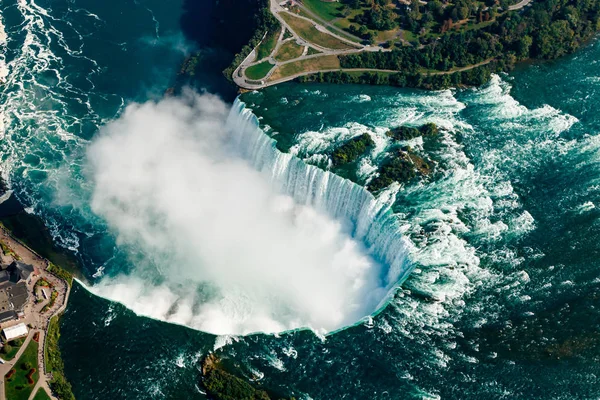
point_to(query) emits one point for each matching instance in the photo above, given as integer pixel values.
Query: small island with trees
(429, 44)
(221, 382)
(401, 165)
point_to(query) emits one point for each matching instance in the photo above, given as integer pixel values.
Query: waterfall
(371, 218)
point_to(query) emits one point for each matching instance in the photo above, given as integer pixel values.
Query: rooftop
(17, 271)
(13, 296)
(16, 331)
(13, 288)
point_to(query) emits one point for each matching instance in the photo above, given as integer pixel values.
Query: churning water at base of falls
(237, 248)
(503, 237)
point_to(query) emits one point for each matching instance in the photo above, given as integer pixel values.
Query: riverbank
(39, 316)
(455, 54)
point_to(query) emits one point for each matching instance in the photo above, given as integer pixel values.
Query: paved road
(42, 381)
(249, 86)
(519, 5)
(276, 9)
(242, 81)
(239, 74)
(328, 24)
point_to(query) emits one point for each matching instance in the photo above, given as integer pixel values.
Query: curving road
(519, 5)
(265, 84)
(241, 80)
(239, 76)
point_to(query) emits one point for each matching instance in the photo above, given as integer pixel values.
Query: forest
(546, 30)
(454, 44)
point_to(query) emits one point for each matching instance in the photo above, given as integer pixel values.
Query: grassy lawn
(61, 273)
(267, 45)
(326, 10)
(474, 26)
(384, 36)
(344, 23)
(289, 51)
(308, 32)
(300, 11)
(18, 386)
(409, 36)
(342, 34)
(258, 71)
(41, 395)
(54, 363)
(311, 64)
(8, 353)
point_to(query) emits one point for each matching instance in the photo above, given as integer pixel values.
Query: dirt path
(461, 69)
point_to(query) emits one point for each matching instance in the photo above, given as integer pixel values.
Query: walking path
(519, 5)
(316, 18)
(34, 317)
(8, 365)
(240, 78)
(264, 84)
(239, 75)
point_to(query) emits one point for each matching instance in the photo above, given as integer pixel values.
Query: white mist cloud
(214, 248)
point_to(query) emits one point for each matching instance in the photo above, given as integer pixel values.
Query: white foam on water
(2, 32)
(467, 201)
(586, 207)
(361, 98)
(3, 71)
(222, 340)
(309, 143)
(3, 67)
(34, 103)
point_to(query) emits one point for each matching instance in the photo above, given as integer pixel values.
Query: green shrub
(402, 166)
(407, 133)
(225, 386)
(54, 363)
(61, 273)
(352, 149)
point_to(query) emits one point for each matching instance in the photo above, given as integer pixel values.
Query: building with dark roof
(19, 271)
(14, 293)
(8, 316)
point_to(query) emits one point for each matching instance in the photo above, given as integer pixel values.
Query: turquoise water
(504, 235)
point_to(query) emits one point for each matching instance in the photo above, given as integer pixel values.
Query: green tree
(7, 348)
(524, 46)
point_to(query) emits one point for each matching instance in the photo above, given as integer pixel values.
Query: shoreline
(388, 63)
(38, 320)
